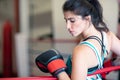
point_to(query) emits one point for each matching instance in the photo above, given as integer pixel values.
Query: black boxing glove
(51, 61)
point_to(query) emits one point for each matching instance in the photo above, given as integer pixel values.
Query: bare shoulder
(84, 54)
(114, 42)
(112, 38)
(81, 50)
(111, 35)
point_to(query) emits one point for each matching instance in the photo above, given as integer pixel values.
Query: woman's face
(75, 24)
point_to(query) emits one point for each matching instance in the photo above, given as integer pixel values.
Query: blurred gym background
(29, 27)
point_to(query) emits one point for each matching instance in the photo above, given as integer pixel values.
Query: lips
(71, 32)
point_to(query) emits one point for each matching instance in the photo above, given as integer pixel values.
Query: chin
(74, 35)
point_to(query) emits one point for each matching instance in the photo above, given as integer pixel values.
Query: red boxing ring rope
(31, 78)
(104, 70)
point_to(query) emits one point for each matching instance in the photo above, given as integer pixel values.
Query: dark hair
(85, 8)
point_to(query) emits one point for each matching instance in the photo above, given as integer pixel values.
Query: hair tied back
(95, 3)
(91, 1)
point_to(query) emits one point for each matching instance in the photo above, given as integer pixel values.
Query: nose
(68, 25)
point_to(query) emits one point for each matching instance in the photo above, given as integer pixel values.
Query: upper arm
(80, 63)
(115, 44)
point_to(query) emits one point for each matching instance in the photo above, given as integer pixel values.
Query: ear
(88, 18)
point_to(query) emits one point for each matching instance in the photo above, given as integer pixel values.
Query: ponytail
(99, 11)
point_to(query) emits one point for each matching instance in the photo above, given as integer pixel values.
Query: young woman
(85, 18)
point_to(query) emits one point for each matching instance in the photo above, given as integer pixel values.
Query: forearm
(63, 76)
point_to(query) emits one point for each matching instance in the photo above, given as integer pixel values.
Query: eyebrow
(69, 18)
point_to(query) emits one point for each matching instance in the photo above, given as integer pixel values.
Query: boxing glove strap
(56, 65)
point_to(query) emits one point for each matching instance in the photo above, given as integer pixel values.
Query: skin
(83, 57)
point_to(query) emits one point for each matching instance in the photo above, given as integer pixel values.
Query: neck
(90, 32)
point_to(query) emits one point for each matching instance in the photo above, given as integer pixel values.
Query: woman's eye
(72, 21)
